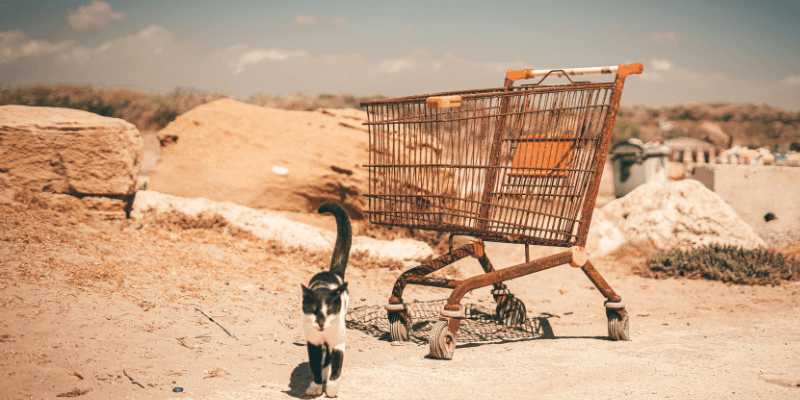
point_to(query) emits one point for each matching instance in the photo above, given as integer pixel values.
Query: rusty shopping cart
(517, 164)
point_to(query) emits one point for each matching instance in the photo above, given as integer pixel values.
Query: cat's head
(323, 304)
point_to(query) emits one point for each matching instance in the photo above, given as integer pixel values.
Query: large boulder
(69, 151)
(265, 158)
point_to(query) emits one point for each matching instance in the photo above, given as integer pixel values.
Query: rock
(680, 214)
(272, 226)
(68, 151)
(228, 151)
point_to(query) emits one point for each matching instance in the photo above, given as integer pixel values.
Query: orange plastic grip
(512, 75)
(443, 102)
(625, 69)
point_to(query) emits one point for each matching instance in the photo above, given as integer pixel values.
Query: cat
(325, 305)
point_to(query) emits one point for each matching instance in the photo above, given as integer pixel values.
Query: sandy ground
(83, 302)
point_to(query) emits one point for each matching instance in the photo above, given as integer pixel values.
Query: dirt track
(80, 296)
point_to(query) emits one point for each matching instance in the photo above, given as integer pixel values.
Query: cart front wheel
(511, 313)
(617, 326)
(397, 328)
(442, 342)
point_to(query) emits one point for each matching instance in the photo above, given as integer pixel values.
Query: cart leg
(453, 303)
(600, 283)
(618, 320)
(510, 310)
(398, 315)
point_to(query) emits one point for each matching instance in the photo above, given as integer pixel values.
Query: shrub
(625, 129)
(153, 111)
(724, 263)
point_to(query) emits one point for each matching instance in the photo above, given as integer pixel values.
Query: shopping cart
(517, 164)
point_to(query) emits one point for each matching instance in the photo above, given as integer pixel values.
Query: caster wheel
(513, 313)
(397, 328)
(617, 326)
(442, 342)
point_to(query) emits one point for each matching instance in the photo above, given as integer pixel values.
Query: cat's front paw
(332, 388)
(314, 389)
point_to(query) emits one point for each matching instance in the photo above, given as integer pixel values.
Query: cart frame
(517, 164)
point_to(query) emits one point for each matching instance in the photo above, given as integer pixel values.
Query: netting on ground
(477, 326)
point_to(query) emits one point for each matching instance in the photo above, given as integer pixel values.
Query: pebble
(177, 389)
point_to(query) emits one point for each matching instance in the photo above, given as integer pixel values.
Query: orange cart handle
(622, 69)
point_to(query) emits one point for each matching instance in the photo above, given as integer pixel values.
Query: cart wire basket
(516, 164)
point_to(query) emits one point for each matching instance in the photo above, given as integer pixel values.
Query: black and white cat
(325, 305)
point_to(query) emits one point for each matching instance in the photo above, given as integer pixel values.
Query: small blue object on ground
(177, 389)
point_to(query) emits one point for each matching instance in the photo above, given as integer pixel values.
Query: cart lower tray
(478, 325)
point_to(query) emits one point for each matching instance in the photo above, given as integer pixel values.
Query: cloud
(791, 80)
(313, 20)
(305, 19)
(668, 36)
(254, 57)
(16, 44)
(664, 82)
(563, 28)
(93, 16)
(152, 59)
(661, 65)
(611, 27)
(340, 21)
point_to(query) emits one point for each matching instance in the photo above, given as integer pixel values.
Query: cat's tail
(344, 237)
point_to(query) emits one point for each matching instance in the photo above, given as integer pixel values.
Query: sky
(735, 51)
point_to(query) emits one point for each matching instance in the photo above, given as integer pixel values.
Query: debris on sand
(73, 393)
(217, 373)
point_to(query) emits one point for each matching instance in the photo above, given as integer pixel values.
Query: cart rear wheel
(617, 326)
(442, 343)
(397, 328)
(512, 313)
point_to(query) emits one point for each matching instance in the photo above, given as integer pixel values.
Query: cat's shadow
(299, 381)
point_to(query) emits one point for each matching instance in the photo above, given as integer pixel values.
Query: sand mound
(604, 235)
(265, 158)
(680, 214)
(271, 226)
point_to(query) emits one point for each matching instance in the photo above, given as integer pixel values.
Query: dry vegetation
(750, 125)
(724, 263)
(153, 111)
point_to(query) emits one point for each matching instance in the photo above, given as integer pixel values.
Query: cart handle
(622, 69)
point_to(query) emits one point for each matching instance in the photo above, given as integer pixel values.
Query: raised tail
(344, 237)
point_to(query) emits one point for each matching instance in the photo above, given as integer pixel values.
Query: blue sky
(739, 51)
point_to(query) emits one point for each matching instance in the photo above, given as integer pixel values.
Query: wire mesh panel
(478, 325)
(511, 165)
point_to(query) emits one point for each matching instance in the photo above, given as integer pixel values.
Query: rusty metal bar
(480, 93)
(413, 166)
(433, 282)
(494, 155)
(600, 160)
(600, 283)
(487, 268)
(417, 274)
(501, 114)
(505, 275)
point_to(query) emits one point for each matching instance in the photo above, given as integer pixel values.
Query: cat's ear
(341, 289)
(307, 292)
